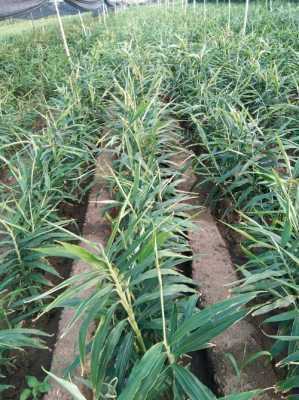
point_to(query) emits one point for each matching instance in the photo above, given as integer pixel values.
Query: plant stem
(166, 345)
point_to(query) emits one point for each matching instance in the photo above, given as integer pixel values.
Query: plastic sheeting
(86, 5)
(11, 8)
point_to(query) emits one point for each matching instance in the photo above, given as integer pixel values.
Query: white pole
(66, 47)
(229, 13)
(82, 23)
(105, 14)
(245, 16)
(32, 21)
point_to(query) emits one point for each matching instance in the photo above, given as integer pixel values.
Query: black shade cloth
(12, 8)
(86, 5)
(112, 3)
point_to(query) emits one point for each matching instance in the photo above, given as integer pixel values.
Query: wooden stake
(245, 16)
(66, 47)
(82, 23)
(32, 21)
(104, 14)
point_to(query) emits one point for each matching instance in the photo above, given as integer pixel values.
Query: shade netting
(13, 8)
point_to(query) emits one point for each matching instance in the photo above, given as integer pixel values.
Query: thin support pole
(246, 17)
(82, 23)
(66, 47)
(105, 14)
(32, 21)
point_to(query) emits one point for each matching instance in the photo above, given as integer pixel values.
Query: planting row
(239, 100)
(47, 152)
(146, 310)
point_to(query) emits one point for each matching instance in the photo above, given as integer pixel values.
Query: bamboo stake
(246, 17)
(32, 22)
(105, 14)
(82, 23)
(66, 47)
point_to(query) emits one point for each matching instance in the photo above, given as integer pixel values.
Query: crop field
(218, 82)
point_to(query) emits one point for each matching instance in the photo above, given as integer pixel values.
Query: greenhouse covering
(18, 7)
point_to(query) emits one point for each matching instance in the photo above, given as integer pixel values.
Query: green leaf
(192, 387)
(210, 314)
(144, 374)
(32, 381)
(122, 362)
(5, 387)
(256, 356)
(26, 394)
(285, 316)
(68, 386)
(171, 290)
(289, 383)
(200, 338)
(294, 357)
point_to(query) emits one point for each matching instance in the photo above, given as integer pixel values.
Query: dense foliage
(132, 78)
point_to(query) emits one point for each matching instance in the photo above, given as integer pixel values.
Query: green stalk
(166, 345)
(126, 303)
